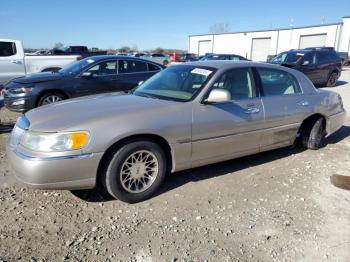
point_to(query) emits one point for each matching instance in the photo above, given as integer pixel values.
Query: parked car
(345, 59)
(83, 51)
(13, 62)
(223, 57)
(322, 64)
(93, 75)
(139, 54)
(185, 116)
(188, 57)
(158, 58)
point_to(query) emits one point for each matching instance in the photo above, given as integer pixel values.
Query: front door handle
(303, 103)
(252, 110)
(18, 62)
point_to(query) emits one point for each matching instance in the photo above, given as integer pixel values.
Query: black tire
(332, 79)
(165, 62)
(111, 171)
(313, 134)
(46, 96)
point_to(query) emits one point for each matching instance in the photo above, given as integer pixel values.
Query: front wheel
(50, 98)
(135, 171)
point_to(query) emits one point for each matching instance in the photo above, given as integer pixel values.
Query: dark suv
(321, 64)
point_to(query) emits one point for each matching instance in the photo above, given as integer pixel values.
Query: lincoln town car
(185, 116)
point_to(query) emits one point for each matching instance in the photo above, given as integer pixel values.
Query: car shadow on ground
(6, 127)
(339, 83)
(224, 168)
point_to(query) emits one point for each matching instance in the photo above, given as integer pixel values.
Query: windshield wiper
(145, 95)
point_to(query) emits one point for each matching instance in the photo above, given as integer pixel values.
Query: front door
(224, 130)
(101, 79)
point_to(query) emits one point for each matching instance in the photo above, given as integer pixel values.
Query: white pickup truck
(13, 62)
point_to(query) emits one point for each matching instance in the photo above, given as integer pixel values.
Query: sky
(148, 24)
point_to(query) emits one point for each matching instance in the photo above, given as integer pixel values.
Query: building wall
(337, 35)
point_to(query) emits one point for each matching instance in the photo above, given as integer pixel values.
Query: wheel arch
(161, 141)
(48, 91)
(312, 119)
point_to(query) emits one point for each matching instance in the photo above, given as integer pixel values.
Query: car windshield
(77, 66)
(179, 83)
(289, 58)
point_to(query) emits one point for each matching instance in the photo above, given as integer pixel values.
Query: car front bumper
(59, 172)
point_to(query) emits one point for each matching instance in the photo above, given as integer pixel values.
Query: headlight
(21, 90)
(54, 142)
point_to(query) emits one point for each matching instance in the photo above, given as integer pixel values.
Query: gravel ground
(275, 206)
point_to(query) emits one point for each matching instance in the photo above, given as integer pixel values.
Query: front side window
(277, 82)
(7, 49)
(239, 83)
(104, 68)
(288, 58)
(130, 66)
(179, 83)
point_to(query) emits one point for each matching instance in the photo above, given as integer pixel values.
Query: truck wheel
(313, 134)
(332, 80)
(50, 98)
(134, 171)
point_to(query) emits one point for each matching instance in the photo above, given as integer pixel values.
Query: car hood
(38, 77)
(81, 113)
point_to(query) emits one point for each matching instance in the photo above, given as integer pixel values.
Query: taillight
(79, 57)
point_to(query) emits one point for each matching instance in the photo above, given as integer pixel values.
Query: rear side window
(276, 82)
(152, 67)
(323, 57)
(239, 83)
(130, 66)
(7, 49)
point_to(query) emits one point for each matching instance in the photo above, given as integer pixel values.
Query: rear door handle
(303, 103)
(252, 110)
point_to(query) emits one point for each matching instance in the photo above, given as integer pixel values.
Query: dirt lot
(275, 206)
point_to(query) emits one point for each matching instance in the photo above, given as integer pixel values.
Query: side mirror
(86, 75)
(218, 96)
(306, 62)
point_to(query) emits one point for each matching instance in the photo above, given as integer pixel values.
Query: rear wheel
(332, 80)
(135, 171)
(313, 133)
(50, 98)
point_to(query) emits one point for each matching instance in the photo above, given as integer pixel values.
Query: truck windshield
(290, 58)
(77, 66)
(179, 83)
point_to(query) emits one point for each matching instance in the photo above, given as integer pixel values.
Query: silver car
(186, 116)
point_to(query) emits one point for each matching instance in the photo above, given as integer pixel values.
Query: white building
(257, 45)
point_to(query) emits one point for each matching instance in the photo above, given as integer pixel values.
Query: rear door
(101, 80)
(324, 64)
(223, 130)
(11, 61)
(285, 107)
(310, 67)
(131, 73)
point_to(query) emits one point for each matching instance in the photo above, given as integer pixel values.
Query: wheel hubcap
(51, 99)
(139, 171)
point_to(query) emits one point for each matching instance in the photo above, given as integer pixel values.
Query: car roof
(112, 57)
(220, 64)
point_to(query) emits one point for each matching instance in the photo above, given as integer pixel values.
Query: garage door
(204, 47)
(312, 40)
(260, 49)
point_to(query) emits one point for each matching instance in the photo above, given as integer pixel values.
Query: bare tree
(219, 28)
(58, 45)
